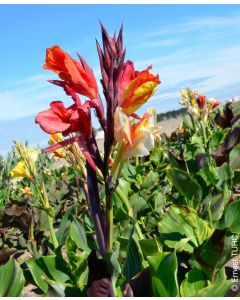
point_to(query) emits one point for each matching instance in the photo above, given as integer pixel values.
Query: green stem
(52, 232)
(193, 123)
(204, 135)
(137, 160)
(110, 224)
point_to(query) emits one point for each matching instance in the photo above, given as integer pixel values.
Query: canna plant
(126, 134)
(149, 215)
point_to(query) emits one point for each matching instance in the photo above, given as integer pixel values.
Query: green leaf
(47, 268)
(195, 280)
(157, 155)
(133, 262)
(37, 274)
(219, 289)
(234, 158)
(64, 227)
(225, 175)
(181, 222)
(138, 203)
(231, 217)
(11, 279)
(186, 185)
(150, 247)
(78, 234)
(216, 139)
(213, 205)
(129, 172)
(150, 180)
(213, 254)
(164, 269)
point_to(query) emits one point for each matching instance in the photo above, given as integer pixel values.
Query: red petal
(51, 122)
(59, 109)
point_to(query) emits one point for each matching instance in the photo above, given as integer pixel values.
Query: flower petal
(122, 127)
(50, 122)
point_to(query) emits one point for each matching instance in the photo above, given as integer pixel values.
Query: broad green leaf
(133, 262)
(186, 185)
(156, 155)
(78, 234)
(234, 158)
(216, 139)
(164, 269)
(47, 268)
(81, 273)
(37, 274)
(113, 264)
(129, 172)
(213, 205)
(64, 227)
(150, 180)
(213, 254)
(219, 289)
(181, 222)
(231, 217)
(195, 280)
(225, 175)
(11, 279)
(150, 247)
(138, 203)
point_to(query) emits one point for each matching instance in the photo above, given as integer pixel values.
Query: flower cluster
(25, 168)
(198, 105)
(125, 90)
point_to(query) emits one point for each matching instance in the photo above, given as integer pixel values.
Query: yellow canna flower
(57, 138)
(20, 170)
(32, 154)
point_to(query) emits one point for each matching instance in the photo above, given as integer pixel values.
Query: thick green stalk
(204, 135)
(110, 224)
(193, 123)
(52, 232)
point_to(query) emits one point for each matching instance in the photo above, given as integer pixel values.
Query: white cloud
(197, 24)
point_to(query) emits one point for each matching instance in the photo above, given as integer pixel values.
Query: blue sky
(188, 45)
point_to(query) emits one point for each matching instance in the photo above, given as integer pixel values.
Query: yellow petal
(20, 171)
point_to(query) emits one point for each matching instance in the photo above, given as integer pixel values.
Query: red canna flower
(135, 87)
(78, 76)
(201, 100)
(74, 119)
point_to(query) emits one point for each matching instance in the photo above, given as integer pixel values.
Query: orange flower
(77, 75)
(135, 87)
(26, 191)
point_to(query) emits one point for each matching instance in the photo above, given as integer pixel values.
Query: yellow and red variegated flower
(136, 139)
(135, 87)
(213, 102)
(78, 76)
